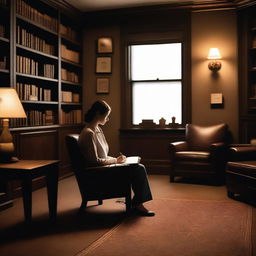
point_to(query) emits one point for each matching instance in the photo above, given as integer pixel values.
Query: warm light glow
(214, 54)
(10, 105)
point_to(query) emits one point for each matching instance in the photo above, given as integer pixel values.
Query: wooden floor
(74, 232)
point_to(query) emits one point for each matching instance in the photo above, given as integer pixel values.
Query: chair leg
(100, 201)
(230, 194)
(128, 203)
(171, 178)
(83, 205)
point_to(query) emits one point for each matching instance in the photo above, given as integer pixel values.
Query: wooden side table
(26, 171)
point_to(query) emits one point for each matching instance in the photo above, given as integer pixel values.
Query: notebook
(132, 160)
(129, 161)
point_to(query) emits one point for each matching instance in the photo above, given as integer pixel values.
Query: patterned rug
(181, 227)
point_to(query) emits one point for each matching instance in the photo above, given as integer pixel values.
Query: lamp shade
(10, 105)
(214, 54)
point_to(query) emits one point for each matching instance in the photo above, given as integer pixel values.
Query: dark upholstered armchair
(203, 154)
(241, 173)
(98, 183)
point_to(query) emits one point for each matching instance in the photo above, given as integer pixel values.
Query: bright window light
(156, 100)
(156, 80)
(158, 61)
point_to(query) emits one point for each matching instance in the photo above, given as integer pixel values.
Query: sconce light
(214, 55)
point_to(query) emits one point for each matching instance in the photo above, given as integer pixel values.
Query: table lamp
(10, 107)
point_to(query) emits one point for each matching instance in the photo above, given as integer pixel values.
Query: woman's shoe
(142, 211)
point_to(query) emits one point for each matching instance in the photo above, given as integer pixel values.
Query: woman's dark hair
(100, 107)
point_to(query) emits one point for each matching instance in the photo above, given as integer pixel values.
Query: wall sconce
(214, 55)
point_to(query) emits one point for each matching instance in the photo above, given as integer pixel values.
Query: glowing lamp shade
(10, 107)
(214, 55)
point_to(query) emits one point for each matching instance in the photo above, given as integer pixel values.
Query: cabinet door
(38, 145)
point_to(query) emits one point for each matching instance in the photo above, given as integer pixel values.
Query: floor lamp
(10, 107)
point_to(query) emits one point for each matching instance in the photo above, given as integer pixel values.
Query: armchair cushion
(200, 156)
(200, 138)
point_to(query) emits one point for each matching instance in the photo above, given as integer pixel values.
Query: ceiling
(98, 5)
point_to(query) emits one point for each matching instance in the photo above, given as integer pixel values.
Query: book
(133, 160)
(130, 160)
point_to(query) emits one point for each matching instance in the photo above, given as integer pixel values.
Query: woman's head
(99, 110)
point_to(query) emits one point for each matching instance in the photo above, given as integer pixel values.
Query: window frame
(126, 89)
(131, 82)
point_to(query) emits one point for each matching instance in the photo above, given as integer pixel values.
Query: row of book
(2, 30)
(26, 65)
(71, 117)
(33, 14)
(67, 96)
(29, 66)
(34, 118)
(68, 32)
(69, 76)
(49, 70)
(69, 54)
(32, 92)
(30, 40)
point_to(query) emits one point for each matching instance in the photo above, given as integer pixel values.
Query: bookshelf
(247, 73)
(40, 56)
(47, 68)
(70, 73)
(5, 43)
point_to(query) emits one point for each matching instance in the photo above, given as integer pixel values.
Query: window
(156, 82)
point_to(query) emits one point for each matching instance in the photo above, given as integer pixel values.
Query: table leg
(52, 190)
(27, 198)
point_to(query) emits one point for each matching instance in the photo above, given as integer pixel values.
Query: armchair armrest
(103, 167)
(217, 146)
(178, 146)
(243, 152)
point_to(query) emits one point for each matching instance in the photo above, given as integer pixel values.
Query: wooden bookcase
(247, 73)
(5, 42)
(41, 57)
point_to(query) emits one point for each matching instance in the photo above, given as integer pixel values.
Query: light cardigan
(94, 147)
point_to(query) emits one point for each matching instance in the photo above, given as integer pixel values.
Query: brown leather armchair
(101, 182)
(203, 154)
(241, 173)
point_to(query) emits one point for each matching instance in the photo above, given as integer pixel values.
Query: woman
(94, 148)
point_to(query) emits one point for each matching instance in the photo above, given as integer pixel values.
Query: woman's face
(103, 119)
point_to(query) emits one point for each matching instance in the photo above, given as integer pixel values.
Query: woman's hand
(121, 159)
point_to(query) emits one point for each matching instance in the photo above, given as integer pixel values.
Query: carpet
(181, 227)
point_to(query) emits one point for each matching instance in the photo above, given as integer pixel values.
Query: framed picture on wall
(105, 45)
(103, 65)
(102, 85)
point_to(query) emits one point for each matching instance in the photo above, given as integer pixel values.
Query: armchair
(241, 173)
(203, 154)
(100, 182)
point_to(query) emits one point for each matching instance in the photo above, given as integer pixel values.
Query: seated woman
(94, 148)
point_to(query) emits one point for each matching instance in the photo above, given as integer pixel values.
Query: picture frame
(102, 85)
(103, 65)
(105, 45)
